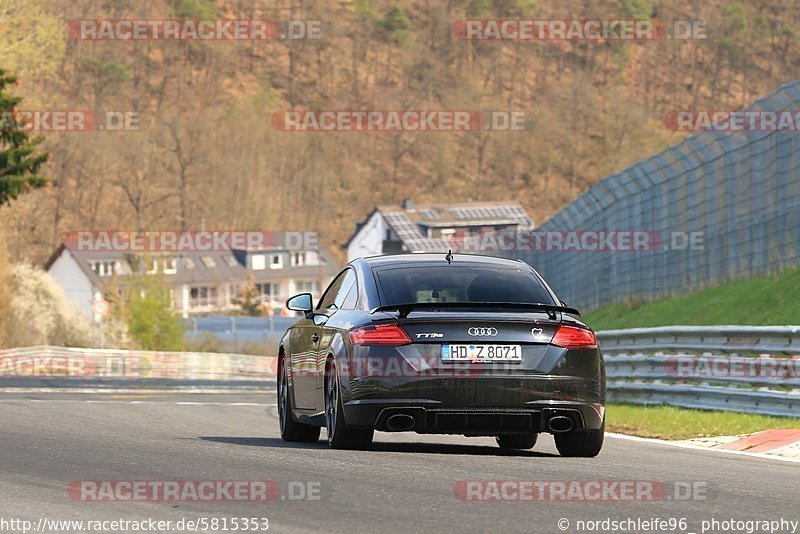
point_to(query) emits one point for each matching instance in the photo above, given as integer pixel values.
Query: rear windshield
(460, 283)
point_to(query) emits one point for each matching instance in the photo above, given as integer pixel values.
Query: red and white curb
(779, 444)
(780, 441)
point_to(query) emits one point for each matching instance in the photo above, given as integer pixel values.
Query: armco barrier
(46, 366)
(727, 368)
(730, 368)
(724, 339)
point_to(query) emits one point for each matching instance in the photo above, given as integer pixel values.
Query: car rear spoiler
(405, 309)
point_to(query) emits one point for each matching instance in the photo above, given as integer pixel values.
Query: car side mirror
(301, 303)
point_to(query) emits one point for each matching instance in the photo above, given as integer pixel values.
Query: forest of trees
(207, 156)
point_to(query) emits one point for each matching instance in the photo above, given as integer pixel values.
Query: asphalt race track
(405, 484)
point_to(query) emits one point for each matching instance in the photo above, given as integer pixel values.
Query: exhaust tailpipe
(400, 422)
(560, 423)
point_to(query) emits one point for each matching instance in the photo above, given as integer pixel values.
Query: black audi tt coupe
(441, 344)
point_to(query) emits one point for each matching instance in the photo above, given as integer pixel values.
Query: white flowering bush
(41, 315)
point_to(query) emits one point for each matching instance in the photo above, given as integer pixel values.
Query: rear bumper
(429, 418)
(474, 406)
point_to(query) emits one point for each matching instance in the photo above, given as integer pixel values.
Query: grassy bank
(669, 422)
(767, 300)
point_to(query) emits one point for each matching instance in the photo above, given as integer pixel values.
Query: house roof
(204, 266)
(408, 222)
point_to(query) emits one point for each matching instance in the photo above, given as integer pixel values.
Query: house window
(230, 261)
(264, 289)
(202, 297)
(267, 291)
(208, 261)
(105, 268)
(258, 262)
(276, 262)
(188, 263)
(152, 266)
(170, 265)
(233, 294)
(298, 258)
(305, 286)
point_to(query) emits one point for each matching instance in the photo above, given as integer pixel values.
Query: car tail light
(384, 335)
(573, 337)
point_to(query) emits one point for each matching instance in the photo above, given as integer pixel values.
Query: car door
(303, 363)
(306, 349)
(329, 306)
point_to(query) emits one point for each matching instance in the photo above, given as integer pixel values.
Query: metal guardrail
(704, 367)
(693, 367)
(725, 339)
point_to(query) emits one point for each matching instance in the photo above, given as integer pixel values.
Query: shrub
(40, 313)
(146, 308)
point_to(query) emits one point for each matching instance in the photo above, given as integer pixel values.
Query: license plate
(482, 353)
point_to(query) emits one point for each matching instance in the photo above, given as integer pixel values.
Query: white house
(431, 227)
(201, 282)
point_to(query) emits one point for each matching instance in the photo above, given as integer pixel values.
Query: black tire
(340, 436)
(581, 444)
(291, 430)
(517, 441)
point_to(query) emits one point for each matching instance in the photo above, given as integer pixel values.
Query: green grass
(760, 301)
(669, 422)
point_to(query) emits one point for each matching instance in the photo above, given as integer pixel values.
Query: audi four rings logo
(482, 332)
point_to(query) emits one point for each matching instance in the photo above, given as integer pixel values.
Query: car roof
(430, 258)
